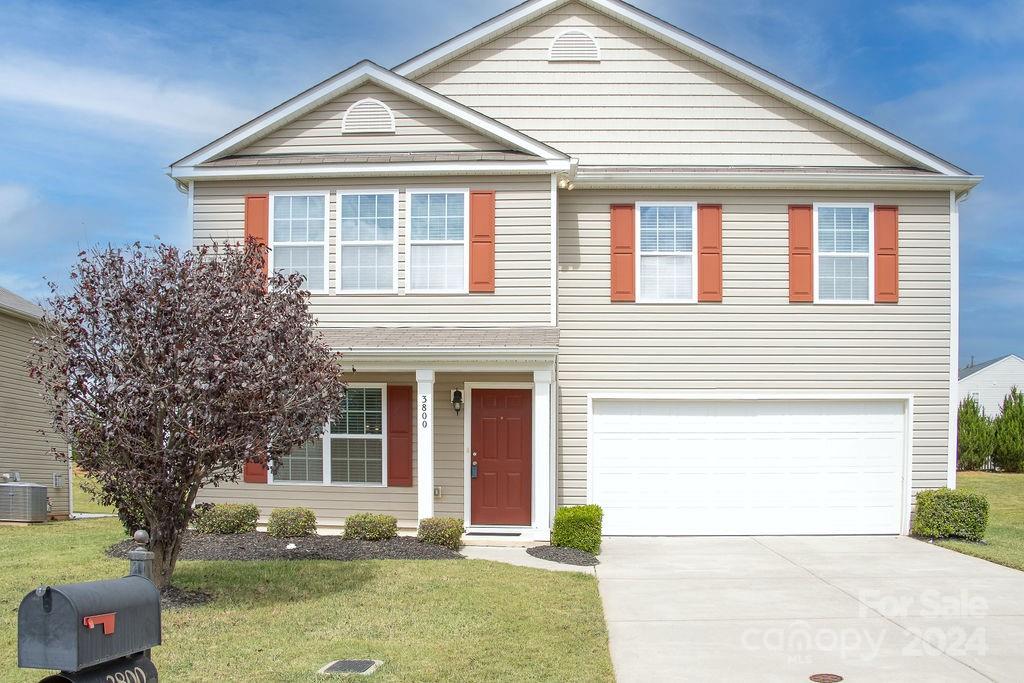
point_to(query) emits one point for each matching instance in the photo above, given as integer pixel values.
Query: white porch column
(542, 484)
(425, 443)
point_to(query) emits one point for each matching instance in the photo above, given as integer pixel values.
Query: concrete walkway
(784, 608)
(519, 556)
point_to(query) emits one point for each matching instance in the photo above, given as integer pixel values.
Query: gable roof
(353, 77)
(972, 369)
(19, 305)
(698, 48)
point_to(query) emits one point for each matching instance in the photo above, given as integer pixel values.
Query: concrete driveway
(783, 608)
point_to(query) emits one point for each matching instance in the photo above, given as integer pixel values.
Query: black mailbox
(80, 625)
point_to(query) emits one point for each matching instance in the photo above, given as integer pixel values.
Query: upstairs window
(437, 241)
(843, 248)
(367, 243)
(574, 45)
(298, 239)
(368, 116)
(666, 254)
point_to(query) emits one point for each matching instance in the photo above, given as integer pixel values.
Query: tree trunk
(165, 556)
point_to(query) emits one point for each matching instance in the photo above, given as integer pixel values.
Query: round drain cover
(826, 678)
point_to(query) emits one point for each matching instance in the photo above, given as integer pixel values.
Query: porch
(482, 429)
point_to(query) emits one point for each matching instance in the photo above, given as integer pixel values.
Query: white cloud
(164, 104)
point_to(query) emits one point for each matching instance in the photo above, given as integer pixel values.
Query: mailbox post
(98, 631)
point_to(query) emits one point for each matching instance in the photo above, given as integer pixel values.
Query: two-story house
(576, 254)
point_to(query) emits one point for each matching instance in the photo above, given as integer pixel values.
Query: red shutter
(257, 220)
(254, 473)
(481, 241)
(709, 252)
(399, 435)
(623, 238)
(887, 255)
(801, 253)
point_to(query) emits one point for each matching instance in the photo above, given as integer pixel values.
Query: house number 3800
(423, 410)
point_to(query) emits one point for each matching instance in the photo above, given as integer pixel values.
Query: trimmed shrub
(228, 518)
(292, 523)
(366, 526)
(443, 531)
(975, 436)
(945, 513)
(578, 527)
(1008, 452)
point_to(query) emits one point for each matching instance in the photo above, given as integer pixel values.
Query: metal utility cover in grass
(360, 667)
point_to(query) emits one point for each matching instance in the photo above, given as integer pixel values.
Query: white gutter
(185, 173)
(778, 181)
(468, 353)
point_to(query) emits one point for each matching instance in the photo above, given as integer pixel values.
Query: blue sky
(96, 99)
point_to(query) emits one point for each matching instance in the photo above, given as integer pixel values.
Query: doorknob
(472, 470)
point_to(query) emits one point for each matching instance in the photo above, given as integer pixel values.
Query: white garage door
(666, 467)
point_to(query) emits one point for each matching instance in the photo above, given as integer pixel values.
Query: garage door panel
(675, 467)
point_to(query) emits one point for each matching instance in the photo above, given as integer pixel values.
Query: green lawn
(83, 501)
(1004, 540)
(428, 620)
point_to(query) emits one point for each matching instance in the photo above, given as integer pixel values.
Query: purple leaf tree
(168, 370)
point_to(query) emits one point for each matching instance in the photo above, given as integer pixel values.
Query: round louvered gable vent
(574, 46)
(368, 116)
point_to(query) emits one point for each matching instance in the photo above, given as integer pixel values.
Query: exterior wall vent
(574, 45)
(368, 116)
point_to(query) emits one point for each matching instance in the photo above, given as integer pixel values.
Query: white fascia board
(701, 49)
(774, 181)
(382, 169)
(353, 77)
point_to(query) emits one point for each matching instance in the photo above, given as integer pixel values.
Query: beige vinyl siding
(522, 251)
(333, 503)
(645, 103)
(23, 413)
(417, 129)
(755, 340)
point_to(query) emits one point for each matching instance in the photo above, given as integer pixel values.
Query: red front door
(502, 454)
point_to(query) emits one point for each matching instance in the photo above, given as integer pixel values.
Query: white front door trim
(775, 397)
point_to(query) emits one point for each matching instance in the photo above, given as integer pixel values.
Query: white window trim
(326, 240)
(870, 255)
(637, 254)
(410, 243)
(393, 243)
(326, 437)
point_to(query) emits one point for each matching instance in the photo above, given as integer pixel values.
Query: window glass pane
(357, 461)
(438, 217)
(305, 463)
(307, 261)
(666, 277)
(843, 278)
(366, 268)
(843, 230)
(437, 267)
(666, 229)
(361, 413)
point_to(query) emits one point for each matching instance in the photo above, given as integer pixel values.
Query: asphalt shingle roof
(971, 369)
(426, 338)
(18, 304)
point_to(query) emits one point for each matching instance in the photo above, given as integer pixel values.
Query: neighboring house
(26, 437)
(991, 381)
(660, 279)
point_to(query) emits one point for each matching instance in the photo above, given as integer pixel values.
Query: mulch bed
(263, 546)
(552, 553)
(172, 597)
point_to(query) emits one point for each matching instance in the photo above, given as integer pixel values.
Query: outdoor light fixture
(457, 400)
